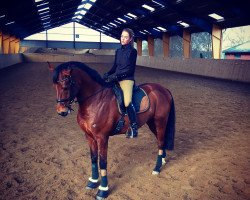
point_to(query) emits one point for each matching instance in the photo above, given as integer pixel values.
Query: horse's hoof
(92, 185)
(155, 172)
(127, 134)
(102, 194)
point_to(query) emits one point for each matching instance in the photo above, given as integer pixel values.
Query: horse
(98, 115)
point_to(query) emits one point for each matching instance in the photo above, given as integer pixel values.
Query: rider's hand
(105, 76)
(112, 78)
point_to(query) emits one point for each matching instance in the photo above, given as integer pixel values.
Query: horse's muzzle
(62, 110)
(63, 114)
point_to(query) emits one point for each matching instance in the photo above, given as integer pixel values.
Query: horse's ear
(51, 67)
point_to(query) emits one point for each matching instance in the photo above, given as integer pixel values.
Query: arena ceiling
(23, 18)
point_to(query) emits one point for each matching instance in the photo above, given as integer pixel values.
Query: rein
(86, 98)
(71, 98)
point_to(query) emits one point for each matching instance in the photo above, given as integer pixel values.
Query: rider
(123, 72)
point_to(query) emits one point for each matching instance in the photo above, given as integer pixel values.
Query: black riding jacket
(125, 62)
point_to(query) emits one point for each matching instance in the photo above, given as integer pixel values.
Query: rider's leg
(127, 88)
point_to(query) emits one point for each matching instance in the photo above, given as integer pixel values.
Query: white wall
(237, 70)
(10, 59)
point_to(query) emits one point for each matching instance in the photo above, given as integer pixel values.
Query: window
(237, 55)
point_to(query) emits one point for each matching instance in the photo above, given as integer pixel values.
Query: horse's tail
(170, 129)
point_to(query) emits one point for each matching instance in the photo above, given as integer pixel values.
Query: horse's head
(74, 80)
(66, 90)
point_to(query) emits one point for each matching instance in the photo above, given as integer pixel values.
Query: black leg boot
(132, 132)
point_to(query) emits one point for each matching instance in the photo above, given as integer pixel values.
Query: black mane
(79, 65)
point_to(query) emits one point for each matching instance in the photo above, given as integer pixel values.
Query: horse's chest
(89, 124)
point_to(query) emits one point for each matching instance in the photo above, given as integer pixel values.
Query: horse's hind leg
(159, 161)
(158, 127)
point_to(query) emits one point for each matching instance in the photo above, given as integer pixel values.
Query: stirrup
(132, 132)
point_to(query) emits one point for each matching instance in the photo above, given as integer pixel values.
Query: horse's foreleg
(103, 191)
(93, 180)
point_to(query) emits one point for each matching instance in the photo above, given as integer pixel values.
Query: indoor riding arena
(46, 156)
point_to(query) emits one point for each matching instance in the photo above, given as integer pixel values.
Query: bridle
(71, 97)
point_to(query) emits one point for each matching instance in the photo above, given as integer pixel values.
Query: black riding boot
(132, 132)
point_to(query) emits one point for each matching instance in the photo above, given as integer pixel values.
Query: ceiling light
(161, 28)
(81, 6)
(43, 9)
(79, 17)
(113, 24)
(93, 1)
(128, 17)
(87, 6)
(148, 7)
(45, 18)
(82, 12)
(146, 31)
(121, 19)
(2, 16)
(100, 30)
(156, 29)
(10, 23)
(178, 1)
(37, 1)
(117, 22)
(132, 15)
(105, 27)
(216, 16)
(142, 32)
(42, 13)
(183, 24)
(158, 3)
(42, 4)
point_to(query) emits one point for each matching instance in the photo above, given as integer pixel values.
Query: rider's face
(125, 38)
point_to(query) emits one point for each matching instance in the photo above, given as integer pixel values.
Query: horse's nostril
(64, 114)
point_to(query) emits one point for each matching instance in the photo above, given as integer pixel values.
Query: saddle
(140, 101)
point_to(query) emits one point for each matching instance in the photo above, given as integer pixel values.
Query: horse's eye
(65, 79)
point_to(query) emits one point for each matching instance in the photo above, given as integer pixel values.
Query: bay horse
(98, 115)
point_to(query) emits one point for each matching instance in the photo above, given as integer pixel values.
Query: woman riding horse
(75, 80)
(123, 72)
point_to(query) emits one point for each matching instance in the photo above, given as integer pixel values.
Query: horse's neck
(88, 86)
